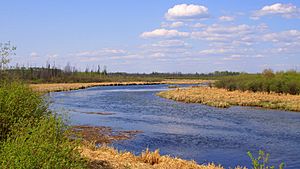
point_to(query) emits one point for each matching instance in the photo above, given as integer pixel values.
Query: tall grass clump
(30, 136)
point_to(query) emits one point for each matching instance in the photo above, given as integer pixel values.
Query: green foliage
(42, 145)
(261, 162)
(30, 136)
(267, 81)
(18, 105)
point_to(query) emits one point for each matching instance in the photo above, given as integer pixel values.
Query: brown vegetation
(56, 87)
(110, 158)
(224, 98)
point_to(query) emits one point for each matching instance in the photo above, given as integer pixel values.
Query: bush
(30, 136)
(280, 82)
(18, 105)
(43, 145)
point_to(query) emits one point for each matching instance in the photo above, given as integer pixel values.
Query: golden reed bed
(107, 157)
(224, 98)
(56, 87)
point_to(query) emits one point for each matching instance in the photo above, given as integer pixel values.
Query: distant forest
(70, 74)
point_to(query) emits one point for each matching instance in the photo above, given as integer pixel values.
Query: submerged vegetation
(224, 98)
(267, 81)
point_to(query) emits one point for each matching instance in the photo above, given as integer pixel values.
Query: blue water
(190, 131)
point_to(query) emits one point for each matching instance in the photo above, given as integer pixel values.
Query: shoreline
(223, 98)
(58, 87)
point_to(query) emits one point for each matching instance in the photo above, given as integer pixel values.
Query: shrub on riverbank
(267, 81)
(30, 136)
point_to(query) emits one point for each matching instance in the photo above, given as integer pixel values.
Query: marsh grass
(223, 98)
(108, 157)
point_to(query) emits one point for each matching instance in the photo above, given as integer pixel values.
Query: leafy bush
(43, 145)
(18, 105)
(30, 136)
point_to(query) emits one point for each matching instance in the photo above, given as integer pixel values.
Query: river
(190, 131)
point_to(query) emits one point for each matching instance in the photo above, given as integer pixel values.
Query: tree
(268, 73)
(6, 50)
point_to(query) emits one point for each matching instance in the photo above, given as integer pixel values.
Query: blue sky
(146, 36)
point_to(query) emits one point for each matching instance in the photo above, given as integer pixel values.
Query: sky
(154, 36)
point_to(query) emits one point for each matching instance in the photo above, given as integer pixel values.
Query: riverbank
(223, 98)
(56, 87)
(110, 158)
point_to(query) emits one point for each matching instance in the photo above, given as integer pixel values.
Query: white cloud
(198, 25)
(102, 52)
(164, 33)
(284, 10)
(173, 24)
(285, 36)
(233, 57)
(226, 18)
(170, 44)
(187, 12)
(220, 33)
(214, 51)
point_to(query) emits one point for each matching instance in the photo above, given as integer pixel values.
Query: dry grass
(110, 158)
(186, 81)
(56, 87)
(224, 98)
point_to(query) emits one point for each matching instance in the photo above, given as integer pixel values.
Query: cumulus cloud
(243, 34)
(187, 12)
(164, 33)
(284, 10)
(226, 18)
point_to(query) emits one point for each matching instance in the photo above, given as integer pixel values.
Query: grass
(74, 86)
(108, 157)
(223, 98)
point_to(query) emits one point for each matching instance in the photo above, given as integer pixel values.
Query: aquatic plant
(261, 162)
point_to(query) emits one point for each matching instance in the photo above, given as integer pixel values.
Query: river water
(190, 131)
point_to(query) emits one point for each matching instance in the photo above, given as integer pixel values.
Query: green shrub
(18, 105)
(280, 82)
(43, 145)
(30, 136)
